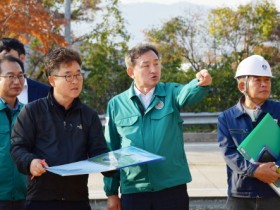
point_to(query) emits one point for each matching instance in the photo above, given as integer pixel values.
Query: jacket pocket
(4, 135)
(4, 129)
(168, 115)
(238, 135)
(127, 130)
(128, 121)
(159, 114)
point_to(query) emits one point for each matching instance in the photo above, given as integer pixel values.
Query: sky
(137, 24)
(211, 3)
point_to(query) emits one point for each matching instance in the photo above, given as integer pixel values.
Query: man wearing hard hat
(248, 187)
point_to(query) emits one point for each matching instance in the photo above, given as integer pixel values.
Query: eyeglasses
(13, 78)
(70, 78)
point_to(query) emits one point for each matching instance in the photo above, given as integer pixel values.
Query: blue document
(124, 157)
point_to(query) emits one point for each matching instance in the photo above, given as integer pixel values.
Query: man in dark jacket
(248, 187)
(32, 89)
(57, 130)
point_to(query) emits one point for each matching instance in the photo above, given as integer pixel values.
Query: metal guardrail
(190, 118)
(201, 118)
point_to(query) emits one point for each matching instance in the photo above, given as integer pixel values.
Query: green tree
(234, 35)
(34, 25)
(181, 40)
(248, 30)
(74, 11)
(240, 31)
(29, 20)
(103, 56)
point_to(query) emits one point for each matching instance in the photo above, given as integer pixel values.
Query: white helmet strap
(245, 92)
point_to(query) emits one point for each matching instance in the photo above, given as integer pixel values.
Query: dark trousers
(234, 203)
(12, 205)
(174, 198)
(57, 205)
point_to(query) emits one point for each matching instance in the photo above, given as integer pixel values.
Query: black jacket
(45, 130)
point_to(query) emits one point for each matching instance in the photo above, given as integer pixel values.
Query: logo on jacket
(80, 126)
(160, 105)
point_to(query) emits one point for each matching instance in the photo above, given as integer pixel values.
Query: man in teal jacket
(147, 115)
(12, 183)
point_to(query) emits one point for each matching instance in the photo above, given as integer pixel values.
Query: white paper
(124, 157)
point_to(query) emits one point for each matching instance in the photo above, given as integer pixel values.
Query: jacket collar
(76, 103)
(159, 90)
(240, 109)
(3, 105)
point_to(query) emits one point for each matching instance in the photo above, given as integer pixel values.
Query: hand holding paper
(38, 167)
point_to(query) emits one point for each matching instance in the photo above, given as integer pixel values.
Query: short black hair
(58, 56)
(12, 59)
(9, 44)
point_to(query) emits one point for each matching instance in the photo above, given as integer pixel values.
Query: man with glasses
(56, 130)
(32, 90)
(12, 182)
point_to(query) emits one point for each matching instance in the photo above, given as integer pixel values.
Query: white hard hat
(254, 65)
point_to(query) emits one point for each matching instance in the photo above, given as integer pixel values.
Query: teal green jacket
(12, 183)
(158, 131)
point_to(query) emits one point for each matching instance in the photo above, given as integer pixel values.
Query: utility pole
(67, 16)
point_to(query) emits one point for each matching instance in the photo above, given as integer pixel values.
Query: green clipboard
(265, 134)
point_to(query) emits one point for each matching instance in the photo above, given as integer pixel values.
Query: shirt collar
(25, 82)
(159, 90)
(17, 106)
(138, 93)
(75, 105)
(145, 98)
